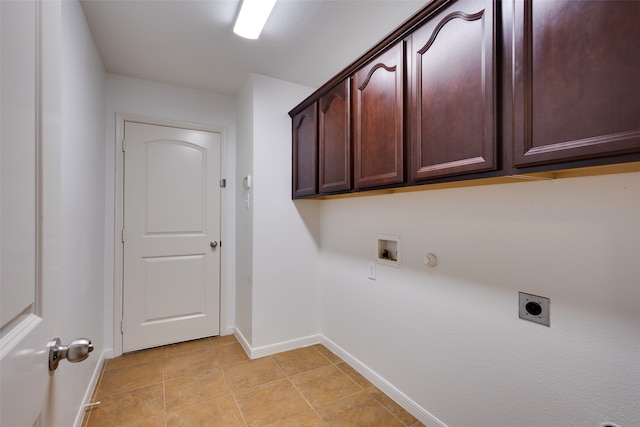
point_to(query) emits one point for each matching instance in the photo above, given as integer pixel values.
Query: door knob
(76, 351)
(213, 244)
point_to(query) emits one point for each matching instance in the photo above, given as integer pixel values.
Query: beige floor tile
(194, 389)
(140, 407)
(354, 375)
(268, 403)
(358, 410)
(324, 385)
(187, 348)
(393, 407)
(178, 365)
(135, 358)
(301, 360)
(252, 373)
(220, 412)
(231, 354)
(212, 382)
(303, 419)
(130, 378)
(223, 340)
(327, 353)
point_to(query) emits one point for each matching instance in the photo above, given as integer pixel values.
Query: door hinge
(124, 145)
(123, 235)
(122, 326)
(223, 183)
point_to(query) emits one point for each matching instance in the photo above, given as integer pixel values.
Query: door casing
(118, 266)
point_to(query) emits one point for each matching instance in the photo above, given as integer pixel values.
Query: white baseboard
(243, 341)
(106, 354)
(387, 388)
(268, 350)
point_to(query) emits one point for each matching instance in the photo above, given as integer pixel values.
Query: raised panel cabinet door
(305, 152)
(453, 98)
(334, 137)
(378, 104)
(576, 80)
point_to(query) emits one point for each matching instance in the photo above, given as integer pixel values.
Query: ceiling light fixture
(252, 17)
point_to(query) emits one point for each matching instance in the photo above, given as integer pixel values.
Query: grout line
(235, 399)
(313, 408)
(288, 377)
(362, 389)
(387, 409)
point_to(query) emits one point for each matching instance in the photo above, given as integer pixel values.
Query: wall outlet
(534, 308)
(372, 270)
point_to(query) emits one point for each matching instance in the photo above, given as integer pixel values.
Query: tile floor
(211, 382)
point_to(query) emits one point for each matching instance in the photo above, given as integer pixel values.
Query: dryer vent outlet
(534, 308)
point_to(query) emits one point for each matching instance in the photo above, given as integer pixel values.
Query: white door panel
(171, 214)
(18, 157)
(168, 302)
(174, 166)
(29, 215)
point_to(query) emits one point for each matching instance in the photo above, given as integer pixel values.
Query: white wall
(286, 290)
(449, 337)
(82, 207)
(244, 213)
(159, 101)
(283, 280)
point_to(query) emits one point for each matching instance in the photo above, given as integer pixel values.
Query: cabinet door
(305, 152)
(378, 120)
(576, 80)
(335, 139)
(452, 97)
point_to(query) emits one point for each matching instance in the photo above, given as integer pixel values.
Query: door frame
(118, 264)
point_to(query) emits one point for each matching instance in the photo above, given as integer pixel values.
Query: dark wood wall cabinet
(335, 139)
(453, 102)
(473, 89)
(378, 117)
(576, 80)
(305, 152)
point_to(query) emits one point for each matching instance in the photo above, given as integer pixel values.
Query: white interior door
(171, 283)
(29, 206)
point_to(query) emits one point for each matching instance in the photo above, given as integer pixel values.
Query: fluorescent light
(252, 17)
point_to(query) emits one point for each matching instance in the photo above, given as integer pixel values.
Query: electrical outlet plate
(534, 308)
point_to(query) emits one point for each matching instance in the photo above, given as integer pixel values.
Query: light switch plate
(372, 270)
(534, 308)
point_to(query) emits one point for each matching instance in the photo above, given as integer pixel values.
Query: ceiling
(191, 43)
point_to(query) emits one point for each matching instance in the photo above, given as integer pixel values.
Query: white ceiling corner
(191, 43)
